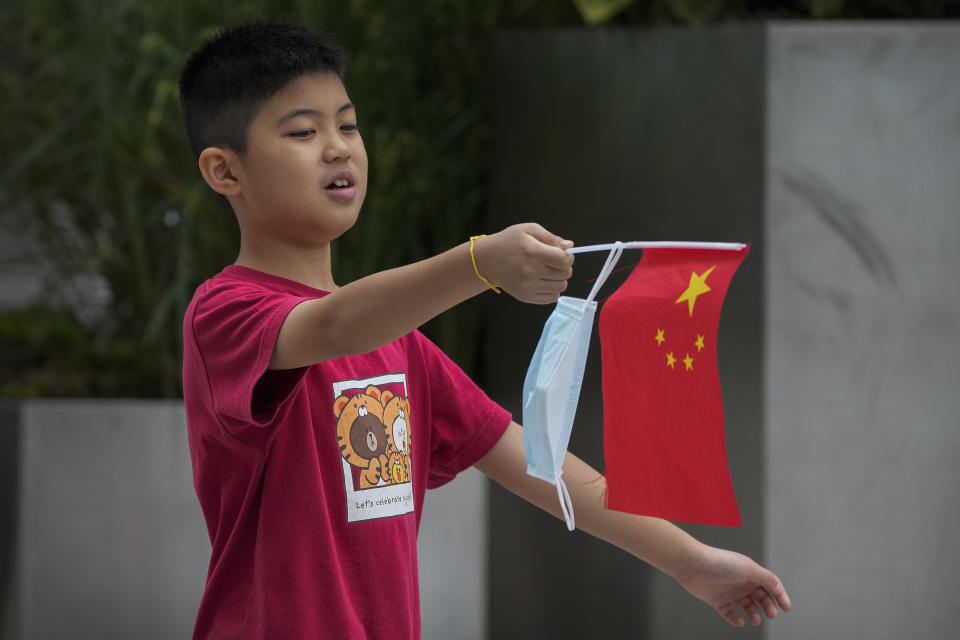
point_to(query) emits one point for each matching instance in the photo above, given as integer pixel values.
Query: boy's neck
(306, 265)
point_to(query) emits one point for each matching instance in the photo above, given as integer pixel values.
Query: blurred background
(826, 133)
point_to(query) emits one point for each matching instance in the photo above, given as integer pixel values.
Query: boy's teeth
(340, 183)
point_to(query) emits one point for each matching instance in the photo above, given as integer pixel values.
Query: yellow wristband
(473, 259)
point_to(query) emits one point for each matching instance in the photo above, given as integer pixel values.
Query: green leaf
(598, 11)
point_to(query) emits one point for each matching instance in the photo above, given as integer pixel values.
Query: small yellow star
(671, 360)
(699, 343)
(689, 362)
(660, 339)
(698, 286)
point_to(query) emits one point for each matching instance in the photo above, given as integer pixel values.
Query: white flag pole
(719, 246)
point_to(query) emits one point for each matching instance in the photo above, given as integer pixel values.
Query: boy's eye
(303, 133)
(348, 127)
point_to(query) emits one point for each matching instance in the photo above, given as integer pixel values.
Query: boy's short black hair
(225, 81)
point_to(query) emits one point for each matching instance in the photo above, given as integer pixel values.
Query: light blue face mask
(551, 389)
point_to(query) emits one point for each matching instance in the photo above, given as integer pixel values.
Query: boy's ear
(216, 166)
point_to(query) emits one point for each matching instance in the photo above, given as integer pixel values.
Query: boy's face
(304, 173)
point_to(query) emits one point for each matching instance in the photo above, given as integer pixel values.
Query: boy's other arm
(719, 577)
(525, 260)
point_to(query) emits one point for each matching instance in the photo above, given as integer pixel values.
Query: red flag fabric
(663, 429)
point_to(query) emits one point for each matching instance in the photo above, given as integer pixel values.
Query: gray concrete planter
(103, 535)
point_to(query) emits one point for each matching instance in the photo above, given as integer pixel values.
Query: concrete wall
(862, 350)
(110, 541)
(652, 135)
(834, 149)
(452, 554)
(101, 534)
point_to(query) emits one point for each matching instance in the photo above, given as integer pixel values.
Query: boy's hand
(723, 579)
(526, 261)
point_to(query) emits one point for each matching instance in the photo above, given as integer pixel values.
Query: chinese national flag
(663, 432)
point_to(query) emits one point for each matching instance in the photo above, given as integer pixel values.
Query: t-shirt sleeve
(464, 422)
(236, 327)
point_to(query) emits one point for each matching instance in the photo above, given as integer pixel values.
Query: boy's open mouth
(342, 180)
(342, 187)
(339, 183)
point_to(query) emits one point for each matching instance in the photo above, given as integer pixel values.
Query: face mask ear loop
(566, 504)
(606, 270)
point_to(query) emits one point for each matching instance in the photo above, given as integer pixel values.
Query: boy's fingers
(541, 297)
(776, 589)
(554, 273)
(750, 608)
(542, 234)
(768, 605)
(547, 237)
(553, 287)
(729, 612)
(557, 258)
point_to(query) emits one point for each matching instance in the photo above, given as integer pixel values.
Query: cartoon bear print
(361, 436)
(396, 420)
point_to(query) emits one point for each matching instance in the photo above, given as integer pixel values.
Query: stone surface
(834, 149)
(101, 534)
(452, 556)
(110, 541)
(862, 353)
(631, 135)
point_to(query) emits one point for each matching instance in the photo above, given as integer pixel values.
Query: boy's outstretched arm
(723, 579)
(525, 260)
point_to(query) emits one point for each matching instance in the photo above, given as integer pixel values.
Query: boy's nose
(336, 149)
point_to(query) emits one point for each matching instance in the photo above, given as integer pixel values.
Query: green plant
(700, 12)
(98, 174)
(96, 171)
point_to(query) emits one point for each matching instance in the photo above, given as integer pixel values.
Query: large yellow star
(697, 286)
(689, 362)
(671, 360)
(660, 339)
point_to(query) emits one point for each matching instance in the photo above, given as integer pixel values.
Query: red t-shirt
(312, 480)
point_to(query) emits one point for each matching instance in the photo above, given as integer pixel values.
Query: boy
(317, 414)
